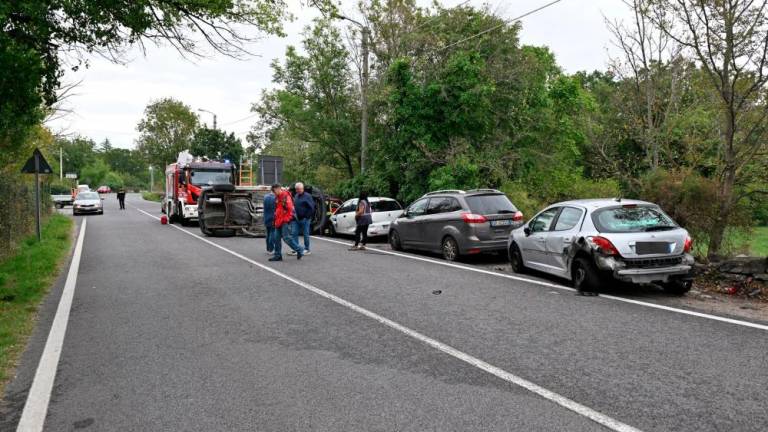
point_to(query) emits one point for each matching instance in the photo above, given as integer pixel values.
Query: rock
(763, 277)
(744, 265)
(707, 296)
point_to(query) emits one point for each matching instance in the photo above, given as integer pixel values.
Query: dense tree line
(680, 116)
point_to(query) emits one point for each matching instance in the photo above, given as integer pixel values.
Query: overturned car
(591, 242)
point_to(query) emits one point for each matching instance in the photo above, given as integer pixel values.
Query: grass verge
(152, 196)
(25, 278)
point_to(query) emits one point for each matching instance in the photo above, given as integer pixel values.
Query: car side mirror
(527, 231)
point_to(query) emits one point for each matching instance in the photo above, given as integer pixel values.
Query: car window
(443, 205)
(543, 221)
(418, 208)
(490, 204)
(632, 218)
(348, 206)
(385, 206)
(568, 218)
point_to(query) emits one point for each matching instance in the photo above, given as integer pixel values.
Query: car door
(534, 246)
(561, 238)
(344, 219)
(438, 213)
(409, 224)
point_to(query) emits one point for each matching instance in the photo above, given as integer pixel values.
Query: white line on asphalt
(552, 285)
(36, 407)
(563, 401)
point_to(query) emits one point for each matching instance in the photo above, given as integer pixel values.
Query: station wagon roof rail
(483, 190)
(445, 191)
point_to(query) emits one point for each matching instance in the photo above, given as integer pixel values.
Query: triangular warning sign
(41, 166)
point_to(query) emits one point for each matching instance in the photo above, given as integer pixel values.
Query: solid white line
(36, 407)
(563, 401)
(552, 285)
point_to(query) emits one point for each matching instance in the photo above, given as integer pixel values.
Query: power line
(531, 12)
(238, 121)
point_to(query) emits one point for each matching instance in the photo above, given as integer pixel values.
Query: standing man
(121, 198)
(305, 209)
(284, 217)
(269, 221)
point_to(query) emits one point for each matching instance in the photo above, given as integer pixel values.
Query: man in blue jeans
(304, 205)
(269, 221)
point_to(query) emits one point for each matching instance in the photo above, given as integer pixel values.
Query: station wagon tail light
(603, 245)
(518, 217)
(688, 245)
(472, 218)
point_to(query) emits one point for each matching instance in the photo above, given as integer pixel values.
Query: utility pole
(212, 113)
(61, 163)
(365, 33)
(364, 102)
(151, 179)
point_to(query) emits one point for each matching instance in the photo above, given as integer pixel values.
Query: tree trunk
(727, 183)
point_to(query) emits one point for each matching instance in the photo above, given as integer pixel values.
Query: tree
(729, 40)
(167, 128)
(216, 144)
(39, 37)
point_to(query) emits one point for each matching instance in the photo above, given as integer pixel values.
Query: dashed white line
(562, 287)
(36, 406)
(563, 401)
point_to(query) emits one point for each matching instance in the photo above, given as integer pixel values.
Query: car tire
(585, 276)
(677, 287)
(394, 241)
(450, 249)
(516, 259)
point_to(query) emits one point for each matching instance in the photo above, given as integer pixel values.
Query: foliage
(167, 129)
(216, 144)
(25, 277)
(152, 196)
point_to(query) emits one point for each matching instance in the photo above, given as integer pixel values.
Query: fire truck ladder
(246, 173)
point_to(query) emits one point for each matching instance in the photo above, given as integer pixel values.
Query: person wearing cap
(284, 216)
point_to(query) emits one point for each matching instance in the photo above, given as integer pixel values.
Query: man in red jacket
(284, 216)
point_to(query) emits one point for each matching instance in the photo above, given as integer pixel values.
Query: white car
(87, 202)
(384, 212)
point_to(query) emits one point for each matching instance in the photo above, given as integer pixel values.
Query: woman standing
(363, 220)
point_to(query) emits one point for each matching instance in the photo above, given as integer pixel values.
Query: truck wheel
(585, 276)
(677, 286)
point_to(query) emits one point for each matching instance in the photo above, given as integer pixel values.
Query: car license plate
(647, 248)
(503, 222)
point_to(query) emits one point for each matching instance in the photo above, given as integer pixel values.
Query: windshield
(632, 219)
(87, 196)
(490, 204)
(209, 178)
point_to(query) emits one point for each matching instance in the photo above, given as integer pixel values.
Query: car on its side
(593, 242)
(384, 211)
(456, 223)
(87, 202)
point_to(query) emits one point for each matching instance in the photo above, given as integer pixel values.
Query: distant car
(104, 190)
(591, 242)
(87, 202)
(383, 212)
(456, 223)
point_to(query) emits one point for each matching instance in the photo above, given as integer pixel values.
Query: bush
(368, 182)
(517, 193)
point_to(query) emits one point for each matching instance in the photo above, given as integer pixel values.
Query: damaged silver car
(591, 242)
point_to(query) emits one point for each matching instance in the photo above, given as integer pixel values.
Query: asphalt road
(169, 332)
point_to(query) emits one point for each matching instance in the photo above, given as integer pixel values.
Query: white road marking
(36, 407)
(563, 401)
(561, 287)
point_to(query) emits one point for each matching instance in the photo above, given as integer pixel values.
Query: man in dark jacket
(305, 210)
(121, 198)
(269, 220)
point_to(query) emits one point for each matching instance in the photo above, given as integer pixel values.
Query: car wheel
(585, 276)
(516, 259)
(394, 241)
(677, 286)
(450, 249)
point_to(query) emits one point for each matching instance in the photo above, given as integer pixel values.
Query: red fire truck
(184, 184)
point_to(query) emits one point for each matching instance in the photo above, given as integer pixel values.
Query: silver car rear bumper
(648, 275)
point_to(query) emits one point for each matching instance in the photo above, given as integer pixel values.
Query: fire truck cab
(185, 181)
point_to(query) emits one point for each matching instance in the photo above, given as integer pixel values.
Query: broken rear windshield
(632, 219)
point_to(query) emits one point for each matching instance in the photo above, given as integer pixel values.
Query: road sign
(71, 175)
(37, 165)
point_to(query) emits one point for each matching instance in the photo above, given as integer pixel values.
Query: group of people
(289, 216)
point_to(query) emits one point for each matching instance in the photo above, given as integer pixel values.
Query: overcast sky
(111, 98)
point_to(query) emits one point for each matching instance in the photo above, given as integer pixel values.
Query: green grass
(152, 196)
(25, 278)
(753, 243)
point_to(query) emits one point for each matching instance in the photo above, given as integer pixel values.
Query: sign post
(37, 165)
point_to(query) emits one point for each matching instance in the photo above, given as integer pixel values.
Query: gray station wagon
(592, 241)
(456, 222)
